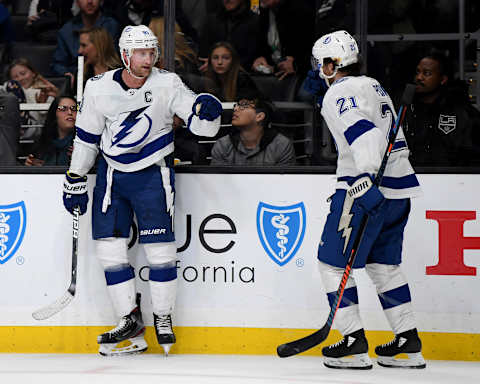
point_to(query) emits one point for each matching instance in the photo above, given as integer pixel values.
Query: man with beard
(441, 122)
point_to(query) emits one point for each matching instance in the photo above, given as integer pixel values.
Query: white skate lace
(120, 328)
(337, 343)
(162, 324)
(391, 342)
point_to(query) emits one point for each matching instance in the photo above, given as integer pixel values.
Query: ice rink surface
(216, 369)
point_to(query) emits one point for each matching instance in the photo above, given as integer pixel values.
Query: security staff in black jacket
(441, 123)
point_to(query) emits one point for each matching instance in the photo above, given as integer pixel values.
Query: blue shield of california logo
(13, 219)
(281, 230)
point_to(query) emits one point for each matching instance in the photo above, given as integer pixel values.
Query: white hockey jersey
(133, 127)
(360, 115)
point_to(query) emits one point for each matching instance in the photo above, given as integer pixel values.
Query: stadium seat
(277, 90)
(39, 55)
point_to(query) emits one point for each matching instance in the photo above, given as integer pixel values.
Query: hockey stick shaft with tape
(301, 345)
(62, 302)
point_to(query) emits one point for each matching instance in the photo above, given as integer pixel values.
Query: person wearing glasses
(253, 141)
(55, 144)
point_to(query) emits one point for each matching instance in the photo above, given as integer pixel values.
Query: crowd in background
(231, 48)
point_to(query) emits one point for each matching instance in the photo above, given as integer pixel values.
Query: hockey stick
(62, 302)
(310, 341)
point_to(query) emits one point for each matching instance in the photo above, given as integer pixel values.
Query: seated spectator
(225, 77)
(9, 128)
(133, 12)
(236, 24)
(100, 55)
(34, 88)
(55, 144)
(45, 17)
(253, 142)
(440, 122)
(65, 55)
(185, 57)
(287, 31)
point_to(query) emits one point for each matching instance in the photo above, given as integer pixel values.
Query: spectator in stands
(55, 144)
(185, 57)
(225, 77)
(34, 89)
(287, 32)
(64, 57)
(253, 142)
(9, 128)
(45, 17)
(133, 12)
(441, 121)
(236, 24)
(197, 11)
(100, 55)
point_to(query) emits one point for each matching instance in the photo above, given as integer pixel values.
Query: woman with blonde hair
(98, 49)
(185, 57)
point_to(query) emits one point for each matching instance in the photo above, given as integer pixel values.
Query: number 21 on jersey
(345, 104)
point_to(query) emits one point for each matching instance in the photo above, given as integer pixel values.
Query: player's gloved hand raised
(367, 195)
(207, 107)
(75, 192)
(314, 84)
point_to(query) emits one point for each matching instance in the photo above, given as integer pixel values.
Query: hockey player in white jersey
(126, 115)
(360, 114)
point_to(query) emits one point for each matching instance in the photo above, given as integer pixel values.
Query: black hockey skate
(130, 330)
(406, 342)
(164, 331)
(349, 353)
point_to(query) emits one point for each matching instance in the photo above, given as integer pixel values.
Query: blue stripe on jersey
(350, 297)
(403, 182)
(119, 276)
(395, 297)
(163, 274)
(356, 130)
(399, 145)
(87, 137)
(147, 150)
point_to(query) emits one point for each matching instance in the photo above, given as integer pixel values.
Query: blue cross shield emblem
(281, 230)
(13, 219)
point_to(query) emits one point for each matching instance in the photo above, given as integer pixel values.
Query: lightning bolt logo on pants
(345, 219)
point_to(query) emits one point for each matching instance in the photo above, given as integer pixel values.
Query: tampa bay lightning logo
(281, 230)
(13, 220)
(135, 126)
(327, 40)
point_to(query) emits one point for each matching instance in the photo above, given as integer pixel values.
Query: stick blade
(52, 309)
(301, 345)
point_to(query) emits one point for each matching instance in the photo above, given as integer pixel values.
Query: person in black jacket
(287, 33)
(441, 123)
(236, 24)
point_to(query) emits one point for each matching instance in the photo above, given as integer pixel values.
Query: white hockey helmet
(136, 37)
(338, 46)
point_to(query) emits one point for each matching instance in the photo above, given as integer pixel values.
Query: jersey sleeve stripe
(86, 136)
(147, 150)
(403, 182)
(356, 130)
